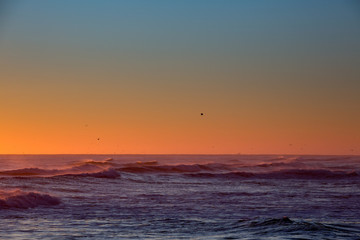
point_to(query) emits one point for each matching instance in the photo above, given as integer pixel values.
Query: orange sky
(140, 84)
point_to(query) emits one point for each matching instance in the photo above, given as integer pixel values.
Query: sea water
(179, 197)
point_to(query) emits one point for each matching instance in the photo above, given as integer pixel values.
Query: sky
(133, 77)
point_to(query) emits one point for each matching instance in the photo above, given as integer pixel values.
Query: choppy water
(179, 197)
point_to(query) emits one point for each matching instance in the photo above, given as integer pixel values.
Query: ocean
(179, 197)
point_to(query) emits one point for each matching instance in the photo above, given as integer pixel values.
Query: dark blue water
(179, 197)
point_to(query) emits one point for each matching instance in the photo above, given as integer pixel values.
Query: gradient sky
(270, 76)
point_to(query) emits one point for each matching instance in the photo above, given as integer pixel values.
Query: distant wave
(111, 169)
(283, 174)
(286, 170)
(147, 163)
(323, 158)
(107, 162)
(20, 199)
(282, 165)
(29, 172)
(110, 173)
(48, 172)
(85, 168)
(182, 168)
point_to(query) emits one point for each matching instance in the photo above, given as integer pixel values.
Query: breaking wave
(110, 173)
(20, 199)
(276, 169)
(101, 169)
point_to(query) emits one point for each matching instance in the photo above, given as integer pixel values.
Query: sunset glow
(270, 78)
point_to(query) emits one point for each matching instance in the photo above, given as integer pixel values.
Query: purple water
(179, 197)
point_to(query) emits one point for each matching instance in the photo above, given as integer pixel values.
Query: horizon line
(214, 154)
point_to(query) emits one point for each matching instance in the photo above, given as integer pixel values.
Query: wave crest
(181, 168)
(87, 167)
(20, 199)
(110, 173)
